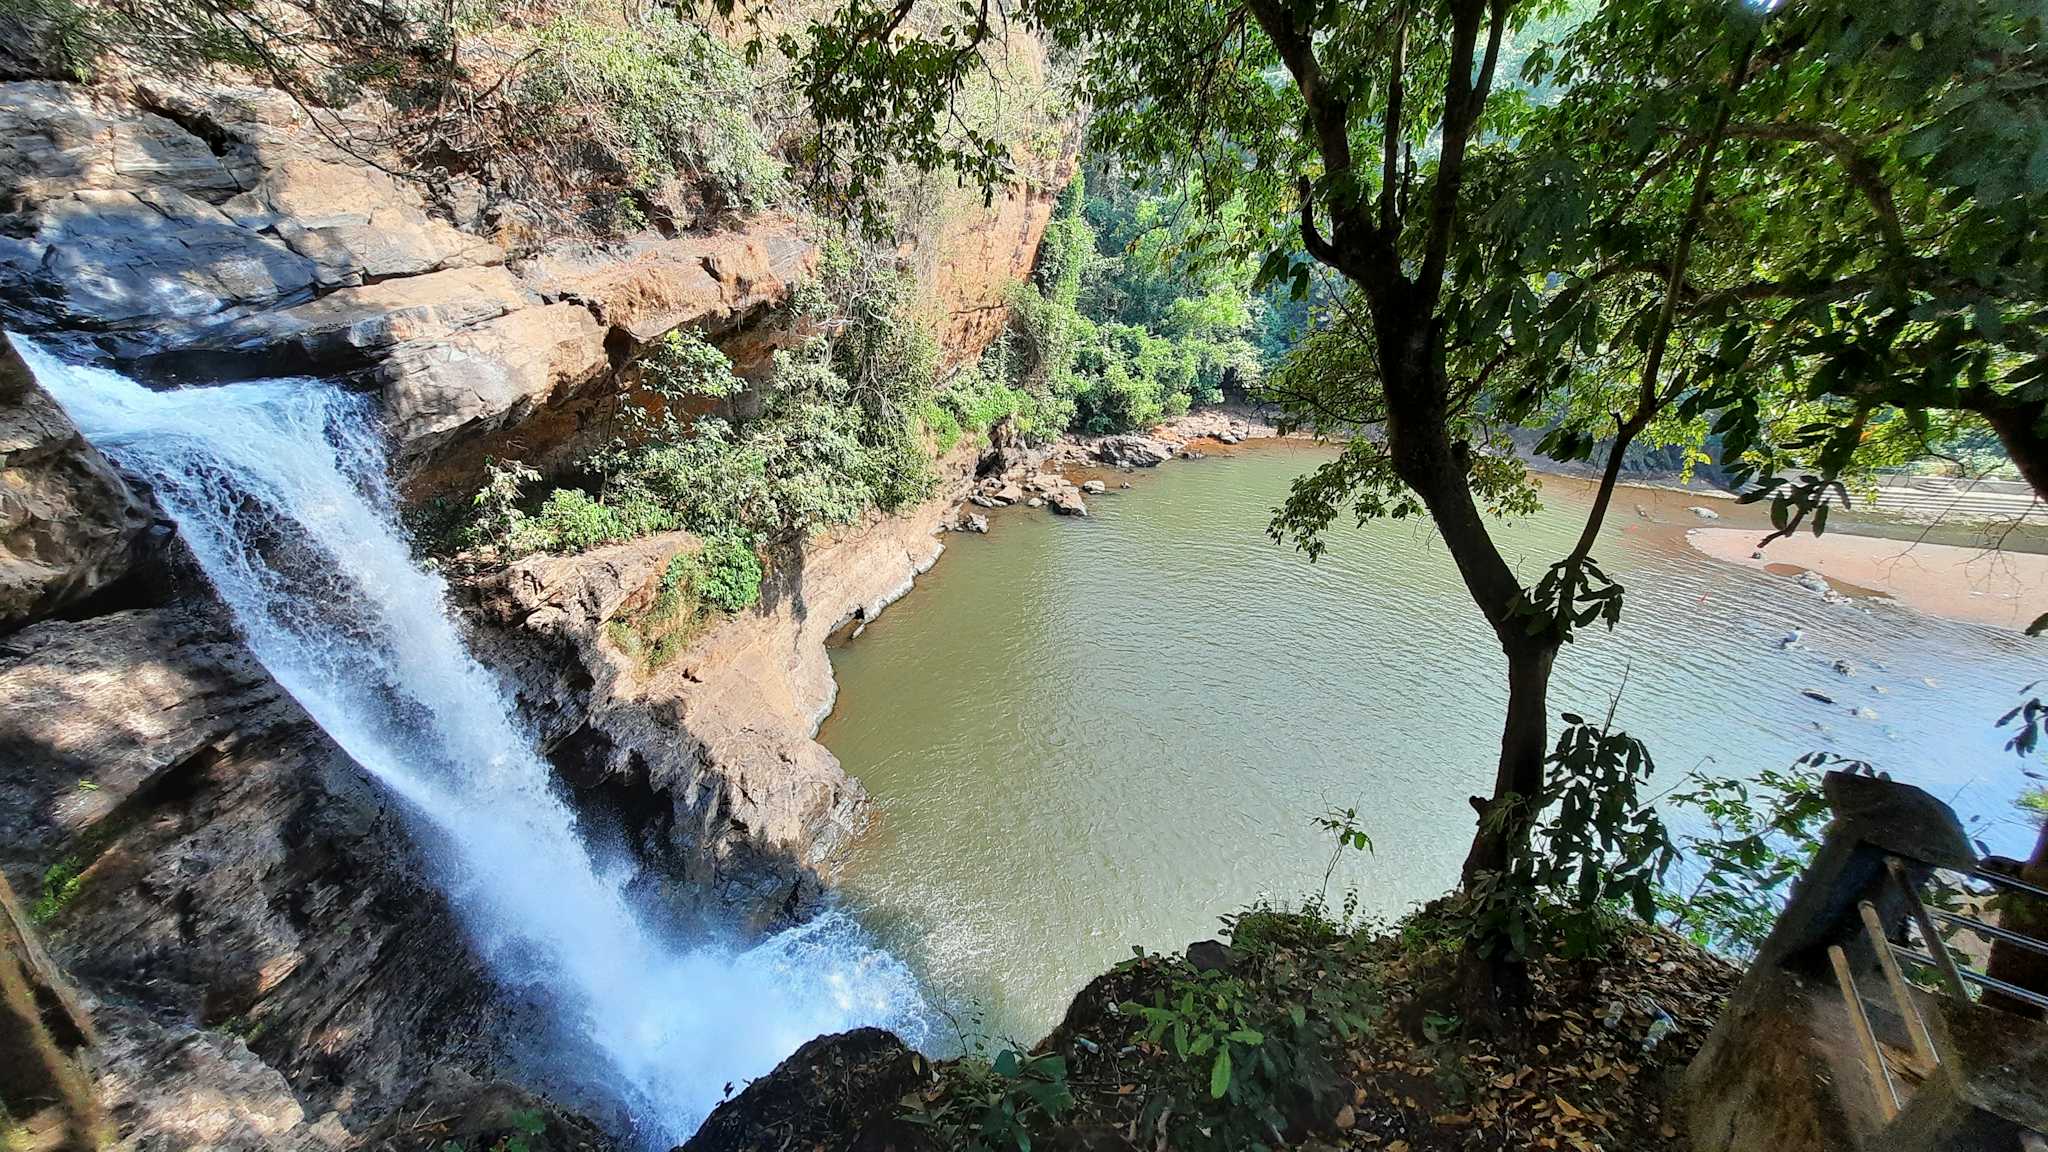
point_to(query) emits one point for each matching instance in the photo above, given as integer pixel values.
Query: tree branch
(1390, 151)
(1862, 170)
(1464, 98)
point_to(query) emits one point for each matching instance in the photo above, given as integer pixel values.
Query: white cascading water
(279, 488)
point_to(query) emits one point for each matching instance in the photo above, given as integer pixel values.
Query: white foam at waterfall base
(279, 489)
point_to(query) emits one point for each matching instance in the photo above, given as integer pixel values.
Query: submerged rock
(973, 522)
(1704, 513)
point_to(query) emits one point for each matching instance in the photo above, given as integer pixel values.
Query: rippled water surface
(1084, 735)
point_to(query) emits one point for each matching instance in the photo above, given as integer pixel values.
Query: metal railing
(1955, 979)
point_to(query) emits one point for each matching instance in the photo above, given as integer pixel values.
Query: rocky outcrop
(68, 521)
(1134, 451)
(826, 1092)
(489, 376)
(210, 233)
(706, 282)
(709, 760)
(267, 964)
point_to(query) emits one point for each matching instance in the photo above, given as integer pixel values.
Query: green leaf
(1219, 1074)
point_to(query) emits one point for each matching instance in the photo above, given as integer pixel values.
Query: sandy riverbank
(2007, 589)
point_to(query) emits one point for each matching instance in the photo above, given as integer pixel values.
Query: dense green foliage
(1761, 834)
(657, 97)
(1118, 328)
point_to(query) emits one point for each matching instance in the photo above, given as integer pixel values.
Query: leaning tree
(1495, 257)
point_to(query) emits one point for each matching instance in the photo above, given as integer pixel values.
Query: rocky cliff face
(252, 930)
(68, 522)
(261, 948)
(214, 231)
(708, 763)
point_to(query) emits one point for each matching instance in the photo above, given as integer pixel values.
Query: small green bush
(571, 521)
(942, 423)
(60, 886)
(727, 574)
(681, 365)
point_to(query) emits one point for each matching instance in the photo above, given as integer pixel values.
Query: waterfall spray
(279, 488)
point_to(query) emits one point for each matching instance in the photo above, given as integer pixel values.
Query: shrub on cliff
(656, 96)
(727, 574)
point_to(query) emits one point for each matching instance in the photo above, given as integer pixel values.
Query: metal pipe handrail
(1942, 961)
(2012, 882)
(1990, 931)
(1992, 983)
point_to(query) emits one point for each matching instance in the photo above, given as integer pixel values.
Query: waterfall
(279, 488)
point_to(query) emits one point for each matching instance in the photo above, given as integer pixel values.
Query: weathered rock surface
(101, 259)
(348, 328)
(1134, 451)
(125, 218)
(353, 222)
(56, 139)
(266, 961)
(486, 377)
(837, 1091)
(707, 282)
(225, 235)
(68, 521)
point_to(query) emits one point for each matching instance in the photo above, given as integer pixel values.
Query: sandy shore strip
(1985, 586)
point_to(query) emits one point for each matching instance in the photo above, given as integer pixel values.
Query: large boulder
(490, 375)
(836, 1092)
(1134, 451)
(68, 521)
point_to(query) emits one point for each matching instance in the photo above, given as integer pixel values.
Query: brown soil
(1563, 1077)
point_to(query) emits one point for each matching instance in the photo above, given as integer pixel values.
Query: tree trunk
(1504, 818)
(2018, 425)
(1493, 981)
(2019, 428)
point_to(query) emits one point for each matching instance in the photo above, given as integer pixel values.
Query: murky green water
(1088, 734)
